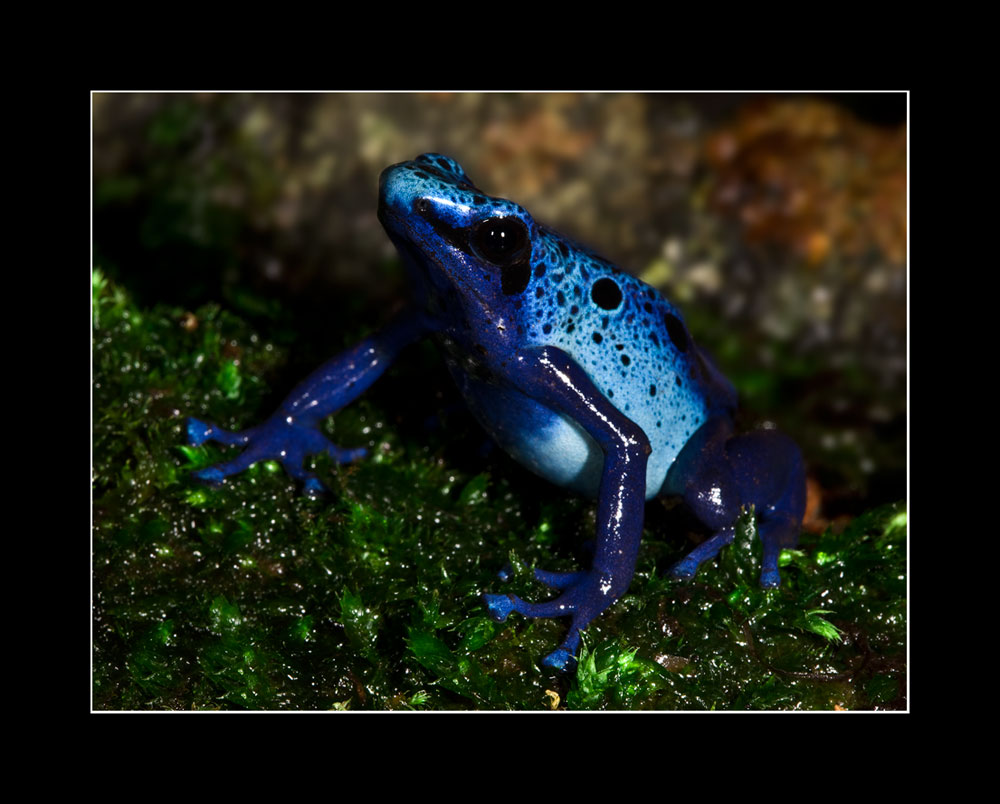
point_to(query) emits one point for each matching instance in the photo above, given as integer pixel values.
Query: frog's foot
(199, 432)
(776, 533)
(585, 595)
(686, 568)
(275, 439)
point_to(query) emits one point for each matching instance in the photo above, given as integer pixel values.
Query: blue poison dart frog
(581, 372)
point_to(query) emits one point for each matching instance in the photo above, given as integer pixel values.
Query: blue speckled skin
(583, 373)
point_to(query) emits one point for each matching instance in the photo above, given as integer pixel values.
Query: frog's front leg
(718, 473)
(292, 432)
(550, 376)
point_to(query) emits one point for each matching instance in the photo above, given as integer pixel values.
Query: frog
(584, 374)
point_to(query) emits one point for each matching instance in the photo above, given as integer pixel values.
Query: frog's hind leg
(763, 469)
(771, 475)
(776, 534)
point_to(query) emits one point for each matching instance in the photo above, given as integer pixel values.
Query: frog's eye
(500, 240)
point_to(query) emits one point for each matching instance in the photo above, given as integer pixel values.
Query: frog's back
(631, 342)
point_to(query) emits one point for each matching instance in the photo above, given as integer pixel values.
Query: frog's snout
(389, 191)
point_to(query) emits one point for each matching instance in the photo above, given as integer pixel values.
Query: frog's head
(452, 236)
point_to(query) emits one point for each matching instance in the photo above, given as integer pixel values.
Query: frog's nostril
(422, 206)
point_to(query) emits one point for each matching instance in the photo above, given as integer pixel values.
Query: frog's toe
(560, 659)
(770, 578)
(313, 487)
(559, 580)
(212, 475)
(198, 432)
(683, 570)
(217, 474)
(500, 605)
(687, 567)
(346, 455)
(776, 532)
(311, 484)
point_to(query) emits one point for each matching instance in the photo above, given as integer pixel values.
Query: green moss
(254, 596)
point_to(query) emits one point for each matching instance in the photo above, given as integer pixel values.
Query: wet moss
(253, 596)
